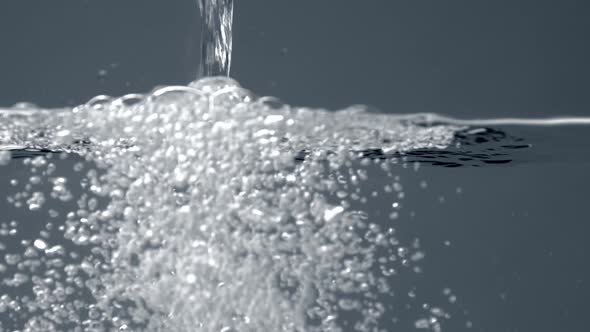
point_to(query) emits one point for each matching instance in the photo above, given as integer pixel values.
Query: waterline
(428, 118)
(551, 121)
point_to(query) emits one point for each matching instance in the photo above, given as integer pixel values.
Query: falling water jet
(216, 37)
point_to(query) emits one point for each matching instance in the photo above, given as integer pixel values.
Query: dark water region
(501, 215)
(472, 147)
(509, 239)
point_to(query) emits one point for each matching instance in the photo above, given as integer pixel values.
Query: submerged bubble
(5, 157)
(40, 244)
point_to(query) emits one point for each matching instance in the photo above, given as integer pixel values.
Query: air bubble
(40, 244)
(5, 157)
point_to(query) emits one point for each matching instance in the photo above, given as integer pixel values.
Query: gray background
(458, 57)
(518, 254)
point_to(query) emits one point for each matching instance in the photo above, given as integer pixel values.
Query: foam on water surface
(205, 208)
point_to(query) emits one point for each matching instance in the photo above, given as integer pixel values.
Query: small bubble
(40, 244)
(422, 323)
(36, 201)
(191, 278)
(102, 74)
(5, 157)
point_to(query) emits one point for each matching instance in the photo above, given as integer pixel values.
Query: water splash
(216, 37)
(193, 212)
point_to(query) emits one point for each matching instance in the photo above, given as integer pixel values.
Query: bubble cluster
(206, 208)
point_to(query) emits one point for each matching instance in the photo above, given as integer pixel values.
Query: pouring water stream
(223, 212)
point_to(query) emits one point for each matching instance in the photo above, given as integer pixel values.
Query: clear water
(207, 208)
